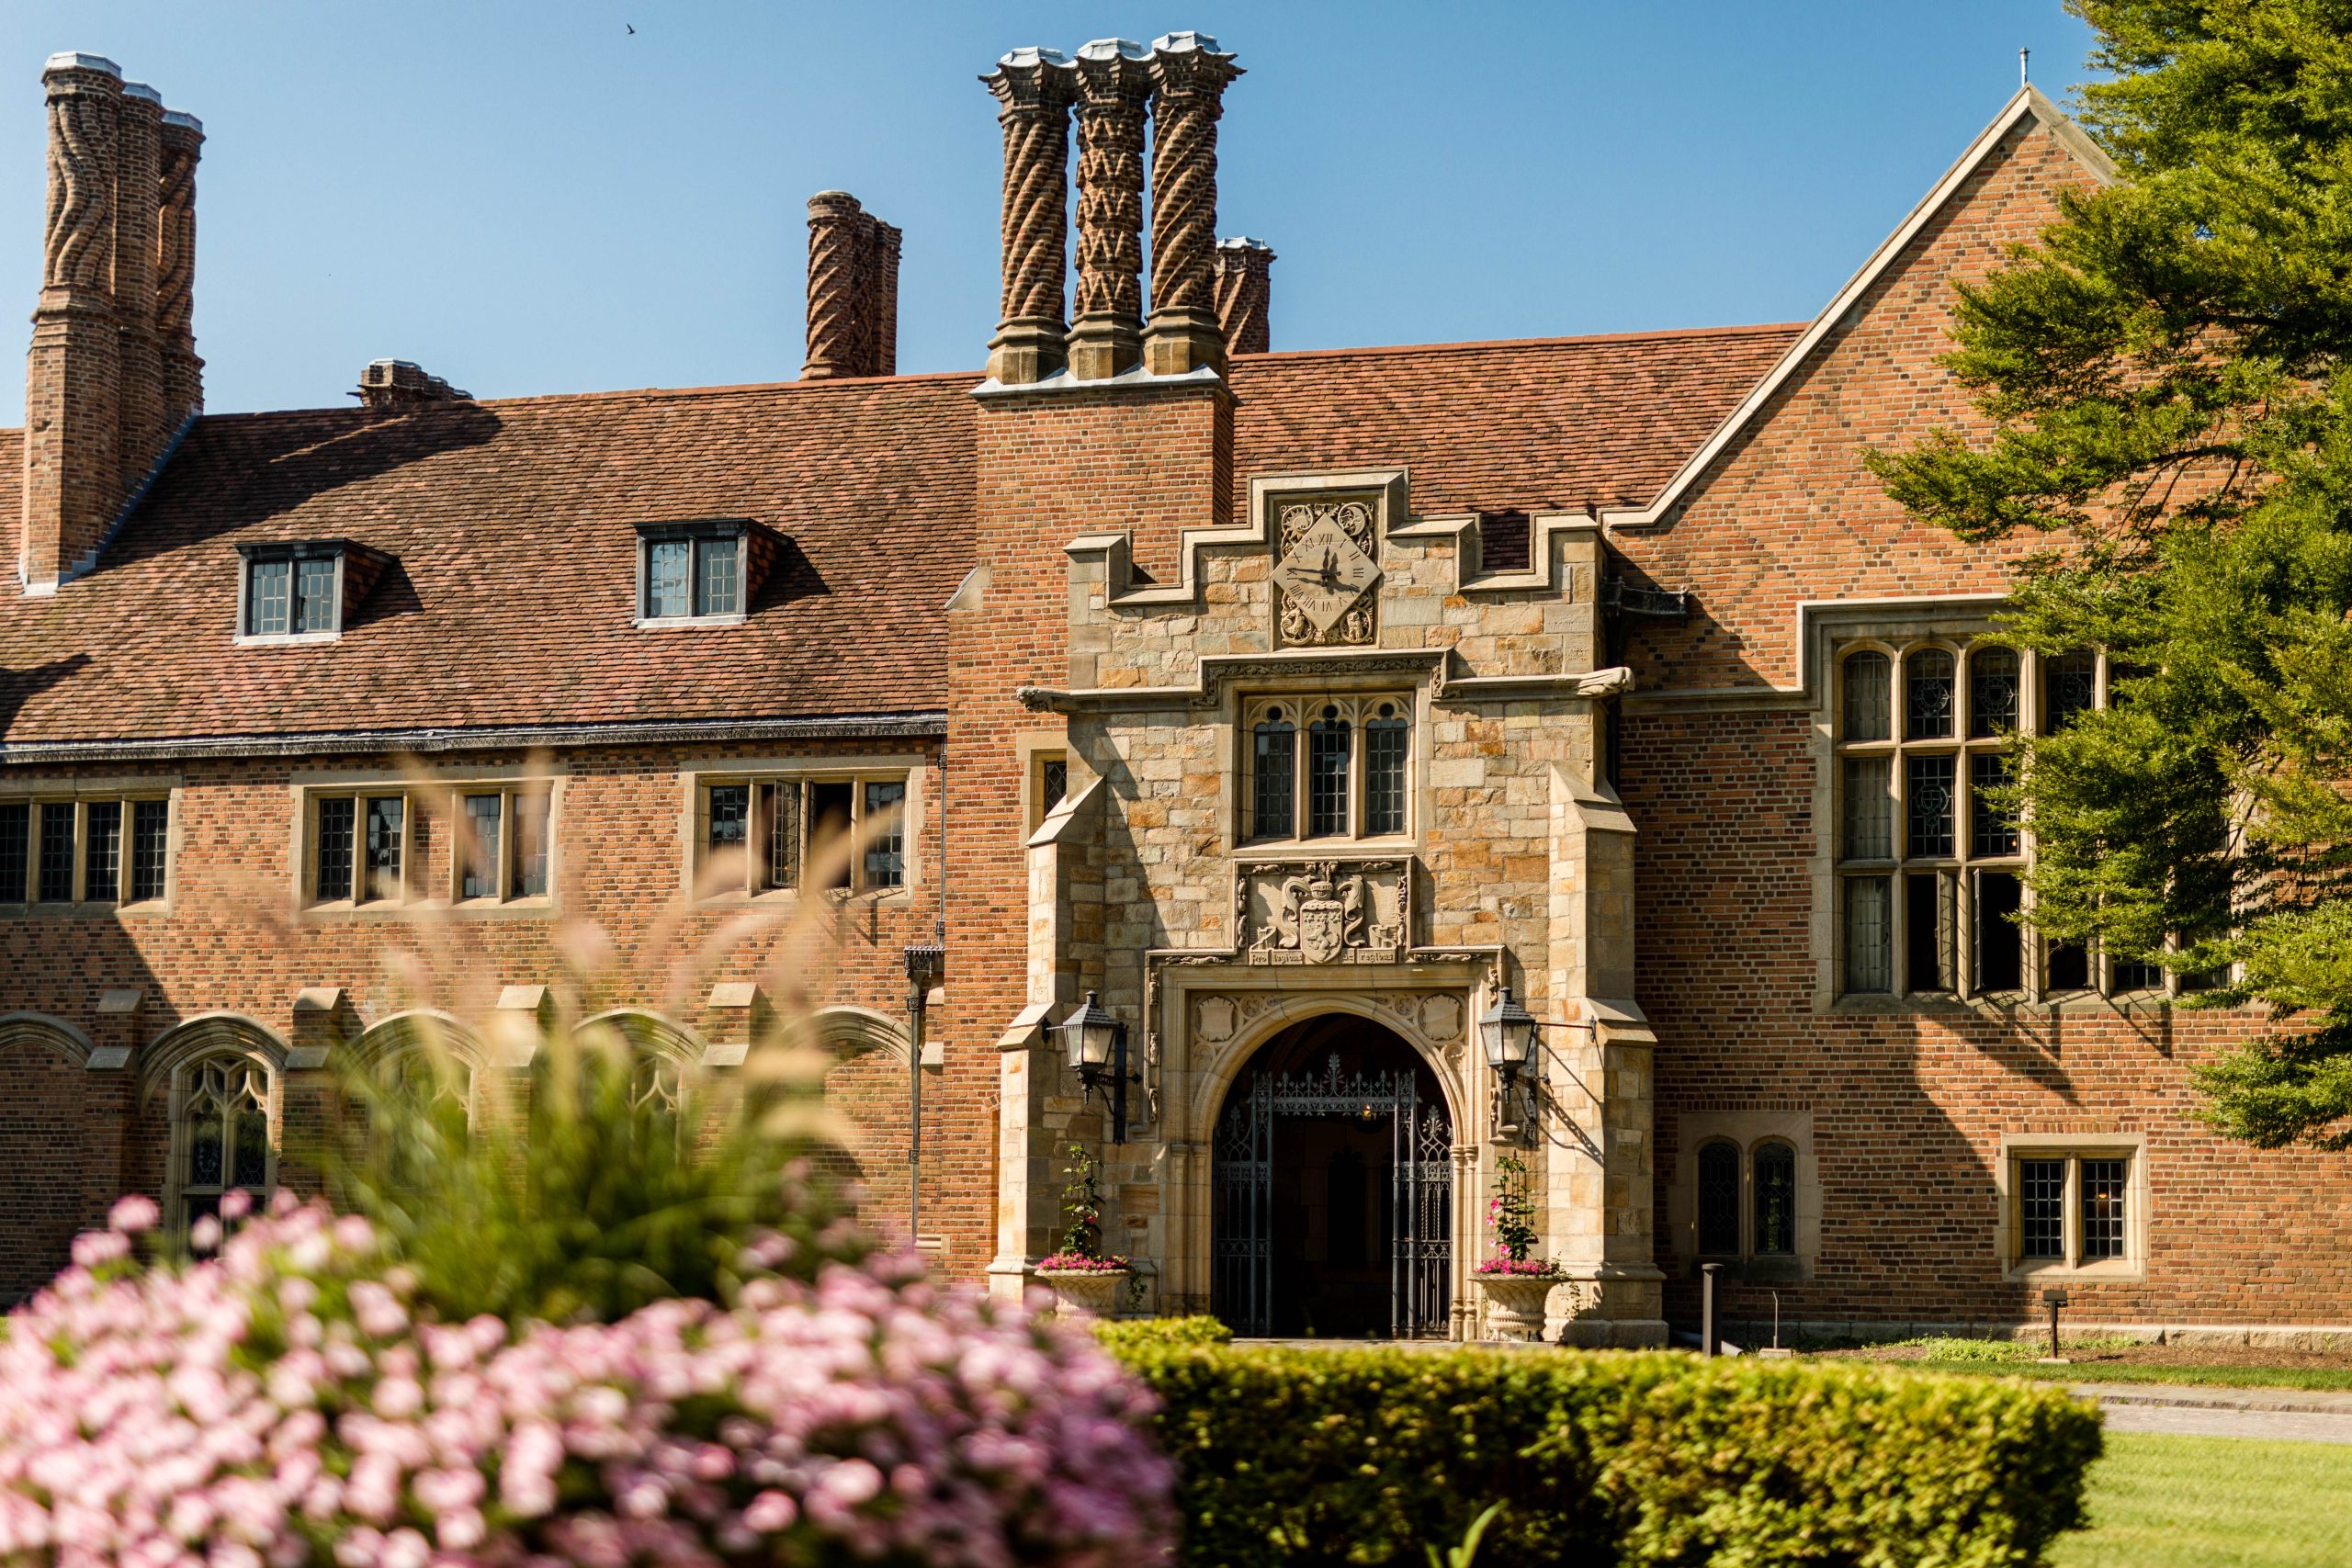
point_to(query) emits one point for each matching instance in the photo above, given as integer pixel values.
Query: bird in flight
(632, 31)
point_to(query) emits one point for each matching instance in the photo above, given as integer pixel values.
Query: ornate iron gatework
(1420, 1250)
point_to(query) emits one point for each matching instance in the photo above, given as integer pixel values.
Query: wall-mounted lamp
(1096, 1045)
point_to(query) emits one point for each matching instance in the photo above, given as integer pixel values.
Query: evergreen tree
(2168, 375)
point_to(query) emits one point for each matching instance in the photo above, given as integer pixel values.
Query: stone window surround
(1303, 705)
(443, 789)
(692, 833)
(1828, 631)
(1034, 750)
(183, 1073)
(37, 792)
(1746, 1131)
(2073, 1147)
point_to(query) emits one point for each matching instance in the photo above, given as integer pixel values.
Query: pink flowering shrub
(1078, 1263)
(286, 1403)
(1524, 1268)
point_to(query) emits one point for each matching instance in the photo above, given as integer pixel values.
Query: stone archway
(1332, 1210)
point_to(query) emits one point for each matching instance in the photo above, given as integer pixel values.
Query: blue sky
(528, 197)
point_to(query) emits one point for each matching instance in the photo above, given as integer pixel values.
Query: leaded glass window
(101, 851)
(2103, 1234)
(1329, 744)
(387, 816)
(730, 811)
(716, 577)
(667, 564)
(479, 877)
(314, 595)
(1992, 832)
(849, 831)
(150, 844)
(16, 849)
(2137, 974)
(1999, 942)
(693, 573)
(1775, 1196)
(1867, 704)
(269, 588)
(1992, 692)
(885, 837)
(1868, 935)
(1719, 1200)
(2042, 1206)
(1928, 695)
(530, 837)
(1386, 735)
(1274, 777)
(1869, 809)
(57, 852)
(225, 1134)
(1929, 784)
(337, 814)
(2069, 688)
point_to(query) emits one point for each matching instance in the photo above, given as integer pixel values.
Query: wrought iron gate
(1420, 1239)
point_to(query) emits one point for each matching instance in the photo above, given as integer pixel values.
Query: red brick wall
(228, 945)
(1907, 1111)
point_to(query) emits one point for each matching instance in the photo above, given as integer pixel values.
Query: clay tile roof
(512, 527)
(1547, 424)
(511, 524)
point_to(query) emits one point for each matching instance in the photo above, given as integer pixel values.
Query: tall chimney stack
(1188, 78)
(141, 423)
(1035, 88)
(1113, 86)
(852, 290)
(1245, 288)
(183, 372)
(72, 482)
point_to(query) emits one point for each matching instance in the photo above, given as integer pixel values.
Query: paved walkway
(2313, 1416)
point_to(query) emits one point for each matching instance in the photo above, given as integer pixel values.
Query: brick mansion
(1286, 713)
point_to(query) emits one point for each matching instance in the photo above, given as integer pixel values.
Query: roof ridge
(1580, 340)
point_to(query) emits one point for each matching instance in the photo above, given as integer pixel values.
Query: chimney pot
(1189, 75)
(852, 290)
(1244, 294)
(74, 59)
(1035, 88)
(1113, 86)
(400, 383)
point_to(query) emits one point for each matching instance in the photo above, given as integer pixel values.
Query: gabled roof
(511, 599)
(2029, 104)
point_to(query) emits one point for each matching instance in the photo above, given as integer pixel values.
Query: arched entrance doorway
(1334, 1175)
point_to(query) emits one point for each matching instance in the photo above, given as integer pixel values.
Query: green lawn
(2324, 1378)
(2165, 1502)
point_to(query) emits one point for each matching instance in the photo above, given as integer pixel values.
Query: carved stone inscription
(1325, 571)
(1324, 911)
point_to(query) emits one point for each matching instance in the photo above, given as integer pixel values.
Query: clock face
(1324, 572)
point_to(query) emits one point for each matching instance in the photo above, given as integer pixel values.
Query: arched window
(225, 1133)
(1866, 697)
(1776, 1200)
(1719, 1200)
(1329, 742)
(1386, 736)
(1273, 771)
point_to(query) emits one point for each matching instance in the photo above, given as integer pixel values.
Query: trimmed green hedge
(1365, 1456)
(1122, 1334)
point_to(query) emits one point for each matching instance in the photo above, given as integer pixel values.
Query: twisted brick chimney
(1188, 79)
(1113, 86)
(1035, 88)
(1245, 288)
(852, 290)
(112, 376)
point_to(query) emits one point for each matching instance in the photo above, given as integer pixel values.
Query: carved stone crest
(1324, 911)
(1324, 575)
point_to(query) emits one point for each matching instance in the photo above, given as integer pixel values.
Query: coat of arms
(1323, 912)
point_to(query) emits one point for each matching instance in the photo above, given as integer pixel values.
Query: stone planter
(1085, 1292)
(1515, 1305)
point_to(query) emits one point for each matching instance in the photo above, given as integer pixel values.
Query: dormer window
(705, 572)
(302, 590)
